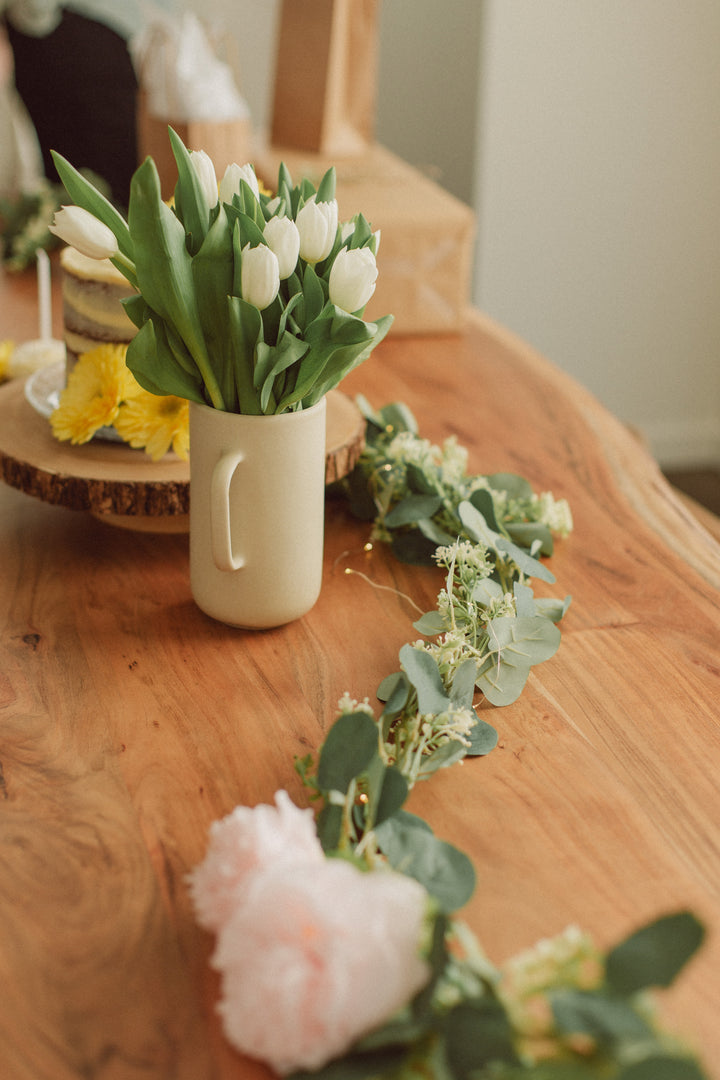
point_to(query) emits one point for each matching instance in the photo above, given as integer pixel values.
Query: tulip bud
(205, 172)
(83, 231)
(282, 237)
(317, 224)
(259, 276)
(230, 183)
(352, 279)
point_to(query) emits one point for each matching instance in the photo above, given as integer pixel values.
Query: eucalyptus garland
(562, 1011)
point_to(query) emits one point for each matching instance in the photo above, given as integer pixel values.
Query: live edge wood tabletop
(129, 721)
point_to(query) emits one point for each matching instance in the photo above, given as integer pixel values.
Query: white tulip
(205, 172)
(83, 231)
(259, 275)
(352, 278)
(230, 183)
(283, 238)
(317, 224)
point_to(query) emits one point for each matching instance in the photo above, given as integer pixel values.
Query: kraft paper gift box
(426, 247)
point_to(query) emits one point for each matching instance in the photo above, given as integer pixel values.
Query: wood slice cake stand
(123, 486)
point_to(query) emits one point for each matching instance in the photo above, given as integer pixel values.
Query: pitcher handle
(222, 548)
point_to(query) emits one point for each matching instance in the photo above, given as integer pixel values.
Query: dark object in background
(79, 86)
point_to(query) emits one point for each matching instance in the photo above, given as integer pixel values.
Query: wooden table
(129, 721)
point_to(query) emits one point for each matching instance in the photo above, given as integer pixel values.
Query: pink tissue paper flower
(243, 843)
(317, 957)
(313, 952)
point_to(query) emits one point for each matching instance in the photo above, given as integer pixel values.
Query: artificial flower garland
(338, 945)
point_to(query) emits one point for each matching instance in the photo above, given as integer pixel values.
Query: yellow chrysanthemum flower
(6, 351)
(96, 386)
(155, 423)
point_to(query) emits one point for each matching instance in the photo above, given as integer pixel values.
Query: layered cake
(92, 312)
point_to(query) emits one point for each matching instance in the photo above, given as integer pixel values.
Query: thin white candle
(44, 301)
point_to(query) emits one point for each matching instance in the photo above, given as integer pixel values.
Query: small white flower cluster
(568, 959)
(348, 704)
(555, 513)
(454, 724)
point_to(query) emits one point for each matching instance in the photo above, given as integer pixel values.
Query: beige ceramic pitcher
(257, 503)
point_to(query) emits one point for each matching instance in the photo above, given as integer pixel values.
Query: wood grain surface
(129, 721)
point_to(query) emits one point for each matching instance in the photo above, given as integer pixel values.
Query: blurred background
(586, 138)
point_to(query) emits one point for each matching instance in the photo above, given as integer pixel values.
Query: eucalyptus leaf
(482, 500)
(413, 548)
(445, 872)
(448, 754)
(662, 1067)
(483, 739)
(394, 691)
(655, 954)
(524, 600)
(527, 533)
(462, 691)
(419, 481)
(350, 746)
(397, 417)
(517, 487)
(393, 793)
(534, 638)
(476, 1034)
(412, 509)
(422, 671)
(552, 609)
(529, 565)
(502, 679)
(609, 1020)
(430, 624)
(328, 826)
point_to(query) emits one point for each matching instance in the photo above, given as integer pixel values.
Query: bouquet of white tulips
(247, 302)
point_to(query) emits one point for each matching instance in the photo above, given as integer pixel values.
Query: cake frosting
(92, 312)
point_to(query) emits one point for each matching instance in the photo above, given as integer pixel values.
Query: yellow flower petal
(155, 424)
(6, 351)
(97, 384)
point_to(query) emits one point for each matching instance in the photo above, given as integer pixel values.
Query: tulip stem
(126, 267)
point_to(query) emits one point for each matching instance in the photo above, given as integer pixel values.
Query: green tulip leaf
(83, 194)
(190, 203)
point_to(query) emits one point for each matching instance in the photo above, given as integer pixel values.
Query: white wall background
(587, 137)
